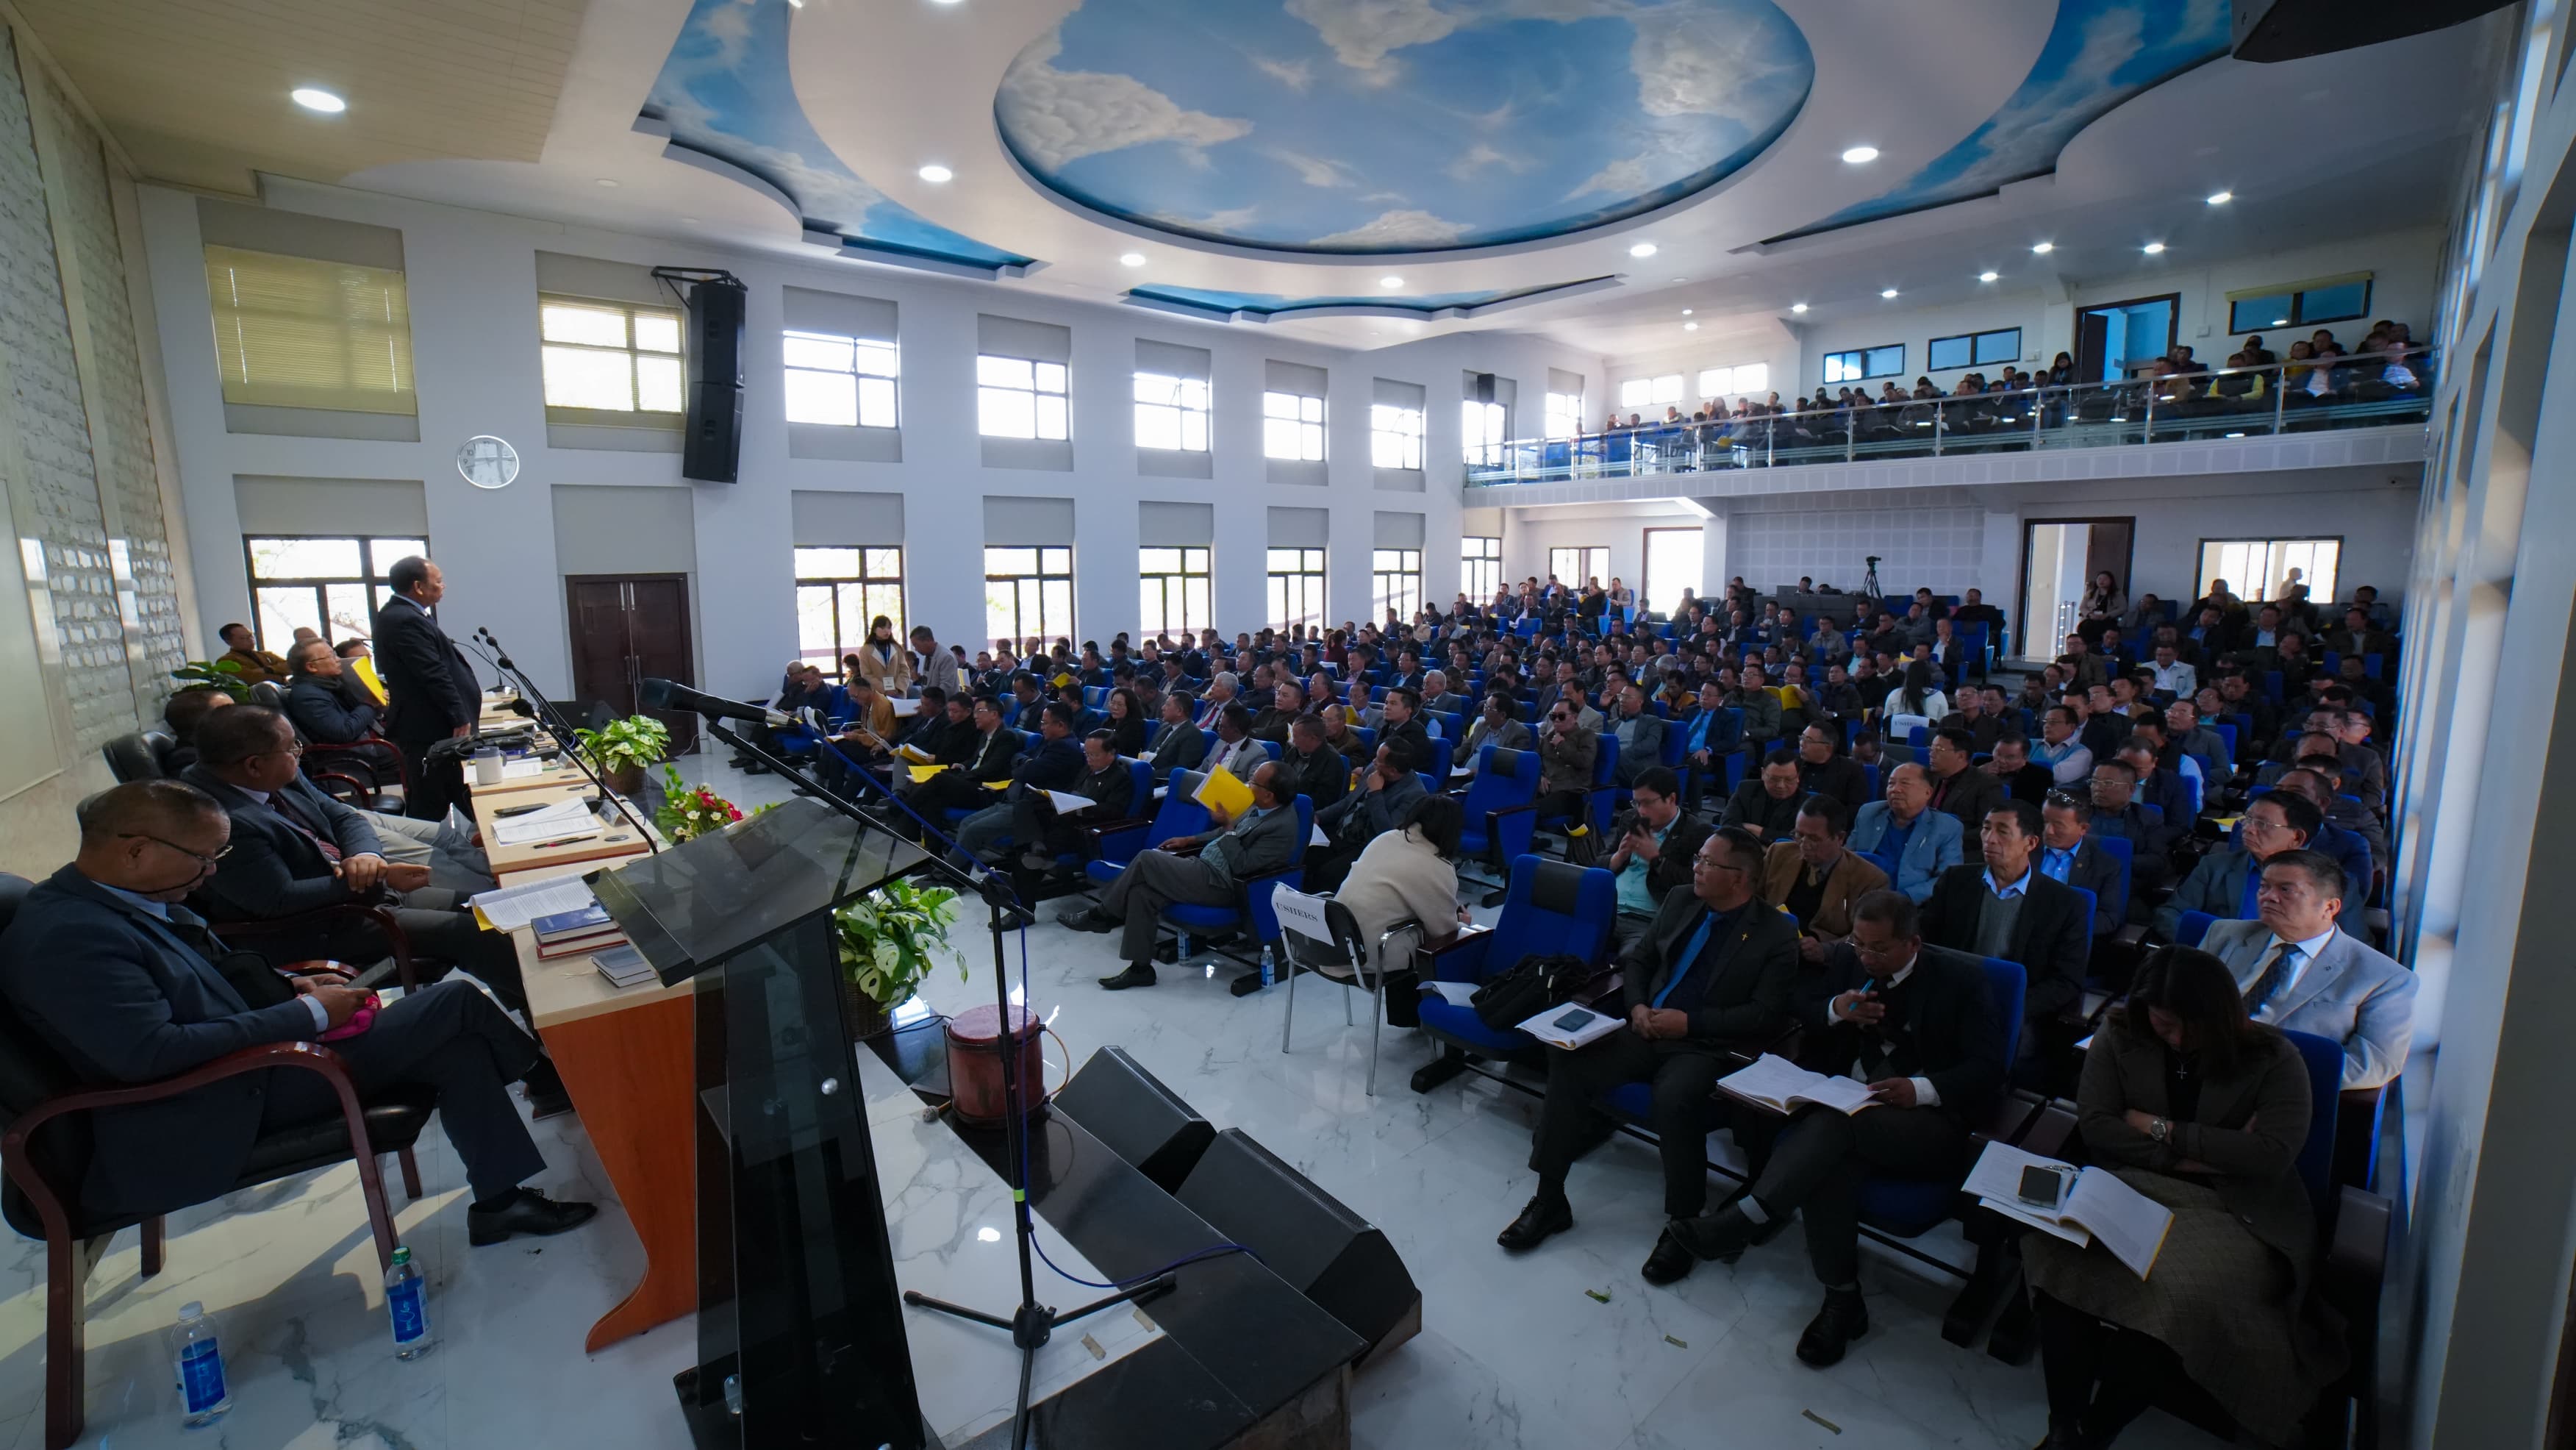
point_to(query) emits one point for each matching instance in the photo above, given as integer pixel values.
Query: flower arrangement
(688, 812)
(892, 937)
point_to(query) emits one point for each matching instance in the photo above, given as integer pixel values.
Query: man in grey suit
(1177, 745)
(2301, 974)
(130, 987)
(1382, 802)
(1202, 871)
(1641, 736)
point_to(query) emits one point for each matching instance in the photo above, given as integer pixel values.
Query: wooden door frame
(2173, 321)
(688, 634)
(2021, 580)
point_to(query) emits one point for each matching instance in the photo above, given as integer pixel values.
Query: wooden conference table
(628, 1057)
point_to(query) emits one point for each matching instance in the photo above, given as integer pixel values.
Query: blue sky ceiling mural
(725, 92)
(1378, 126)
(2098, 55)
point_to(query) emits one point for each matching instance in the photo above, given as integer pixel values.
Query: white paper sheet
(1594, 1026)
(1067, 804)
(513, 907)
(1778, 1083)
(1456, 994)
(560, 821)
(522, 769)
(904, 709)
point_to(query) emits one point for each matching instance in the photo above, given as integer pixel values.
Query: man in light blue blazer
(1925, 842)
(2302, 975)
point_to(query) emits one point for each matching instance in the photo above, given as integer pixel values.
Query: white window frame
(851, 598)
(1564, 415)
(1395, 436)
(1587, 561)
(1167, 602)
(653, 373)
(1750, 380)
(1292, 427)
(843, 382)
(1008, 389)
(1296, 585)
(1174, 409)
(1480, 566)
(1483, 429)
(1027, 585)
(1395, 582)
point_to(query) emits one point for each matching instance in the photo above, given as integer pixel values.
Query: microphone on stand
(659, 694)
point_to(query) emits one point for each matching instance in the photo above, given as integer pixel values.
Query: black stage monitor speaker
(2270, 30)
(1142, 1121)
(1305, 1236)
(711, 451)
(1484, 387)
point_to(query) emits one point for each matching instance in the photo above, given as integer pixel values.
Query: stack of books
(623, 965)
(576, 933)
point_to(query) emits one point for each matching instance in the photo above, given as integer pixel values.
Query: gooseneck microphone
(660, 694)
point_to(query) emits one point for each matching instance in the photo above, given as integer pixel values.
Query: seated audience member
(1437, 696)
(293, 850)
(1199, 870)
(2226, 880)
(1971, 712)
(1382, 800)
(1407, 875)
(1904, 828)
(446, 847)
(2065, 756)
(2300, 973)
(985, 757)
(873, 726)
(1815, 876)
(1497, 724)
(2003, 908)
(2152, 786)
(131, 987)
(1761, 708)
(1125, 721)
(2202, 744)
(1958, 787)
(1714, 972)
(1713, 732)
(1028, 700)
(2203, 1111)
(1914, 702)
(2069, 854)
(1315, 770)
(319, 700)
(1402, 720)
(1055, 764)
(1045, 830)
(1235, 751)
(1177, 743)
(2011, 764)
(1824, 770)
(1652, 845)
(257, 666)
(2350, 835)
(1766, 804)
(1566, 753)
(1640, 733)
(1287, 702)
(182, 713)
(1916, 1023)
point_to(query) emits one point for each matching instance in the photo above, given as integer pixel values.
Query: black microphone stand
(1030, 1323)
(553, 719)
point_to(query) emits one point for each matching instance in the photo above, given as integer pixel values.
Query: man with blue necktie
(2069, 854)
(2300, 974)
(1715, 971)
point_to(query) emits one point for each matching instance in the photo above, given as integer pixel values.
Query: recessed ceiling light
(1390, 283)
(1797, 306)
(1681, 279)
(1890, 292)
(2044, 248)
(1132, 259)
(1642, 249)
(608, 181)
(2221, 198)
(2153, 248)
(2280, 322)
(1860, 155)
(1686, 312)
(1690, 327)
(1988, 276)
(936, 173)
(313, 98)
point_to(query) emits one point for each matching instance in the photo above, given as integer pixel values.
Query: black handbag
(1530, 986)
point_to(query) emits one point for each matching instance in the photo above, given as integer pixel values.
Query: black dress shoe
(1721, 1236)
(1670, 1260)
(1139, 975)
(529, 1213)
(1083, 918)
(1843, 1319)
(1542, 1216)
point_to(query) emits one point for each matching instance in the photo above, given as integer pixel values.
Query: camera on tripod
(1871, 560)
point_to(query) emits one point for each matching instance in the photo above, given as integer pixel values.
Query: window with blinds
(299, 332)
(613, 363)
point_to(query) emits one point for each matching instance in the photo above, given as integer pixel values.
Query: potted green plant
(620, 752)
(224, 675)
(890, 939)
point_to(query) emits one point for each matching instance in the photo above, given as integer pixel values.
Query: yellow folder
(1219, 790)
(924, 772)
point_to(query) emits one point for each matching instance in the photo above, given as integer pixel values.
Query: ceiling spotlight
(2280, 322)
(2044, 248)
(1642, 249)
(1860, 155)
(1988, 276)
(1132, 259)
(1797, 306)
(2153, 248)
(1690, 327)
(608, 181)
(1681, 279)
(936, 173)
(2221, 198)
(1890, 292)
(313, 98)
(1390, 283)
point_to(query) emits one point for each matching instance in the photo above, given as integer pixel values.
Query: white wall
(472, 287)
(2404, 268)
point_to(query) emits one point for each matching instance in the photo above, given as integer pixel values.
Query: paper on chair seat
(1456, 994)
(1315, 837)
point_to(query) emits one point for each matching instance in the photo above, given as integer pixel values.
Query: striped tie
(2276, 976)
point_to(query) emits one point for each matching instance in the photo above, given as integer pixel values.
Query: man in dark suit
(2022, 779)
(1383, 801)
(318, 699)
(1824, 770)
(130, 987)
(1177, 743)
(1403, 721)
(1958, 787)
(1315, 769)
(1055, 764)
(1653, 847)
(1198, 870)
(2068, 852)
(1767, 804)
(1917, 1024)
(1640, 733)
(1714, 972)
(2004, 908)
(988, 758)
(1045, 830)
(429, 683)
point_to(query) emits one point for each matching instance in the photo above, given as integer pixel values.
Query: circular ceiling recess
(1355, 127)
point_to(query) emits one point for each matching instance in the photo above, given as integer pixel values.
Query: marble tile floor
(1513, 1352)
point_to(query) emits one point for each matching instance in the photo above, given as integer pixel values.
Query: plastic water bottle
(1269, 971)
(201, 1366)
(407, 1303)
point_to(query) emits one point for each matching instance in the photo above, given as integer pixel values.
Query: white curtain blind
(297, 332)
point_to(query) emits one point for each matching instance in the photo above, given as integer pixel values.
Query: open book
(2094, 1205)
(1781, 1085)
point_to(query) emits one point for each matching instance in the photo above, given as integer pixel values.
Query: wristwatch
(2161, 1130)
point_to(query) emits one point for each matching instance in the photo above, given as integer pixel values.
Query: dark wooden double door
(628, 629)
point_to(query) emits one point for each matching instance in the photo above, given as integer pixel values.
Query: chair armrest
(2133, 935)
(1116, 841)
(395, 938)
(1461, 958)
(1511, 829)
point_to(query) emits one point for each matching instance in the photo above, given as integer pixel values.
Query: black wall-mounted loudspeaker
(1484, 387)
(1305, 1236)
(2270, 30)
(711, 448)
(1130, 1111)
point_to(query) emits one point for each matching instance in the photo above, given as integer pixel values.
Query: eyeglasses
(220, 852)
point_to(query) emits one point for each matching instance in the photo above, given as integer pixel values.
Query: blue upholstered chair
(1908, 1207)
(1552, 909)
(1179, 814)
(1252, 905)
(1500, 818)
(2192, 927)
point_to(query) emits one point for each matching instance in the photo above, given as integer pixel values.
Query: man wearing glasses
(2225, 881)
(130, 987)
(1714, 972)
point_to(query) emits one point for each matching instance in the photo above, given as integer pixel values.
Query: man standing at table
(434, 692)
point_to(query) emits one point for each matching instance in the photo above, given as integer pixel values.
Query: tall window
(1296, 587)
(1573, 566)
(612, 358)
(1395, 436)
(332, 586)
(2260, 568)
(1174, 590)
(1171, 412)
(1018, 398)
(1292, 427)
(846, 381)
(1564, 414)
(838, 591)
(1862, 363)
(1395, 582)
(1640, 393)
(1027, 590)
(1480, 567)
(294, 332)
(1751, 380)
(1482, 427)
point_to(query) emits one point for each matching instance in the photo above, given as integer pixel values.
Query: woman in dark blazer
(2204, 1111)
(1126, 722)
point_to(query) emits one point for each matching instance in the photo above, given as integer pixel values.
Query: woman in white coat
(1408, 875)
